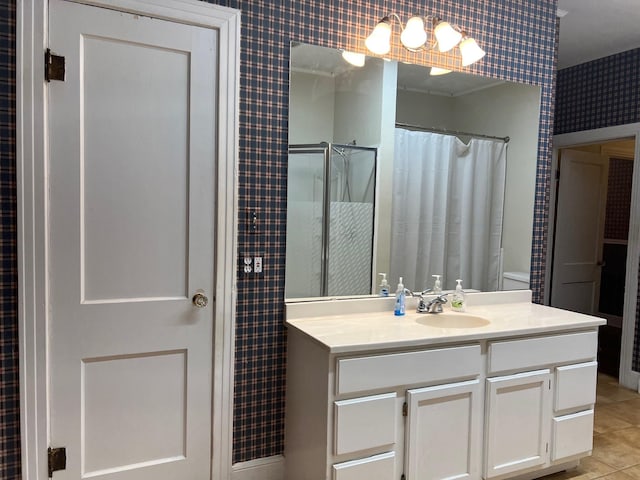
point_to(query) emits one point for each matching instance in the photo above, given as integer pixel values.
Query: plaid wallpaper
(9, 391)
(597, 94)
(616, 224)
(519, 37)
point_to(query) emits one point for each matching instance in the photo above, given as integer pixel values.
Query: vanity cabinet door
(518, 417)
(442, 432)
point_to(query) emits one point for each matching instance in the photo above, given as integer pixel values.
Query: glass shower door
(351, 215)
(305, 198)
(330, 214)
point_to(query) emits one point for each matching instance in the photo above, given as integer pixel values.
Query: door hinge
(405, 409)
(549, 384)
(547, 447)
(557, 174)
(402, 477)
(54, 66)
(56, 459)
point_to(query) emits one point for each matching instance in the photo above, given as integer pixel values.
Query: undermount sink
(452, 320)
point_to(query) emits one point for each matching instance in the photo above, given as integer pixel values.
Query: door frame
(628, 377)
(32, 186)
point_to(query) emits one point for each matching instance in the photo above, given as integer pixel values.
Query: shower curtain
(447, 210)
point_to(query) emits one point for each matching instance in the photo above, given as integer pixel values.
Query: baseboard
(269, 468)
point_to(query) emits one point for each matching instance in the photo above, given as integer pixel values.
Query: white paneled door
(131, 181)
(580, 215)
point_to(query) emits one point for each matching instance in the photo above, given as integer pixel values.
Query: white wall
(417, 108)
(357, 105)
(311, 112)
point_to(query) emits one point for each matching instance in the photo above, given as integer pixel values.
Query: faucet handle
(441, 299)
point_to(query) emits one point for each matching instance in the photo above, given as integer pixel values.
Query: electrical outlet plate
(247, 264)
(257, 264)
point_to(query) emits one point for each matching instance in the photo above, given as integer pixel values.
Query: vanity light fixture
(355, 59)
(379, 41)
(438, 71)
(470, 50)
(414, 38)
(447, 36)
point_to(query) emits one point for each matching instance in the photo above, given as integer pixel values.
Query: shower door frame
(325, 149)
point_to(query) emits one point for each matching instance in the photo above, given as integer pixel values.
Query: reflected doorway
(592, 213)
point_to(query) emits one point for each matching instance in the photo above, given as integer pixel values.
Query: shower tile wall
(598, 94)
(519, 37)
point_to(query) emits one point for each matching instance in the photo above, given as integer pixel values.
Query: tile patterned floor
(616, 436)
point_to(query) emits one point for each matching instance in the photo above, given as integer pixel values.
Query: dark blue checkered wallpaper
(598, 94)
(519, 37)
(9, 391)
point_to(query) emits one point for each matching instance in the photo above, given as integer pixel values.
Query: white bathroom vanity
(506, 389)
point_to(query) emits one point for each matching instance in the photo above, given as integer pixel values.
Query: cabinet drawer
(424, 366)
(537, 352)
(378, 467)
(363, 423)
(572, 435)
(576, 386)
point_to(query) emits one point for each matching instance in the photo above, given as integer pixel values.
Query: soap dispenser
(384, 287)
(400, 300)
(437, 286)
(458, 298)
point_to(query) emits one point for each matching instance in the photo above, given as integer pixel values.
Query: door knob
(200, 300)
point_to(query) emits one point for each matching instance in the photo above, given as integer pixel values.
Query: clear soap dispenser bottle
(384, 287)
(437, 286)
(458, 299)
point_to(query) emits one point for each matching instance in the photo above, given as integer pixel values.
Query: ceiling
(596, 28)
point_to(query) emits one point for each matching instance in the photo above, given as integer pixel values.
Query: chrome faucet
(432, 306)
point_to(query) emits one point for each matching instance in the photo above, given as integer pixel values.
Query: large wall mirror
(393, 170)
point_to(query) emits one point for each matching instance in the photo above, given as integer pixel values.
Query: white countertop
(368, 324)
